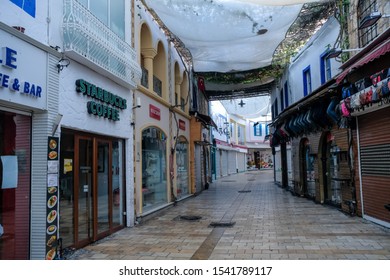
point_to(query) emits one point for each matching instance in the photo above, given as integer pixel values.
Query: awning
(381, 50)
(316, 96)
(205, 119)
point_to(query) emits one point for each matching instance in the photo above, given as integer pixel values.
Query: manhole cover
(190, 218)
(222, 224)
(244, 191)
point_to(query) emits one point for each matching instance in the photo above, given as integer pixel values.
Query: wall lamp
(371, 19)
(63, 62)
(333, 53)
(136, 106)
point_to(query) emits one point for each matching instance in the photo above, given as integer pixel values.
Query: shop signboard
(154, 112)
(23, 73)
(103, 103)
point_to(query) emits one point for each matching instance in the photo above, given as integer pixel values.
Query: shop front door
(92, 188)
(84, 213)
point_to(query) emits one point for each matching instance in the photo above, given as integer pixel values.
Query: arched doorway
(307, 171)
(154, 168)
(182, 178)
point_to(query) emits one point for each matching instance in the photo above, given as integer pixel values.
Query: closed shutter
(224, 161)
(218, 164)
(241, 164)
(232, 162)
(374, 134)
(22, 195)
(278, 167)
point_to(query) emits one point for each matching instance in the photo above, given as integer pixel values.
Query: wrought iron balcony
(145, 78)
(157, 86)
(85, 35)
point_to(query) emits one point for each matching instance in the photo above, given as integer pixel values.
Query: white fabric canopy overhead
(249, 108)
(229, 35)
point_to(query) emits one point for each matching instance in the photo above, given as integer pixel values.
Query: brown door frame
(96, 141)
(95, 235)
(77, 138)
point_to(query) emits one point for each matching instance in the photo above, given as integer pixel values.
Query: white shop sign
(23, 73)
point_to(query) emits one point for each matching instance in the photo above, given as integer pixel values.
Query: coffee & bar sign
(104, 104)
(23, 73)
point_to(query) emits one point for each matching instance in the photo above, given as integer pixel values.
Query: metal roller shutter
(374, 135)
(218, 164)
(241, 163)
(224, 161)
(232, 162)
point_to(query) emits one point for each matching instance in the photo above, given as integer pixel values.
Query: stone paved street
(262, 221)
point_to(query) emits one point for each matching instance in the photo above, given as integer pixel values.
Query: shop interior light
(371, 19)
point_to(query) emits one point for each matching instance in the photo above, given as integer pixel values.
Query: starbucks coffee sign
(104, 104)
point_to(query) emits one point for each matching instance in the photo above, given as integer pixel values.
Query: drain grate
(190, 218)
(222, 224)
(244, 191)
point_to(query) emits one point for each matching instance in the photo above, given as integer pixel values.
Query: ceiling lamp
(371, 19)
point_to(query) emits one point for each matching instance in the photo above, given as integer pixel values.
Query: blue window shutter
(306, 75)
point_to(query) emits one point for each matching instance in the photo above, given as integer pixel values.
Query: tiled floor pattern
(269, 223)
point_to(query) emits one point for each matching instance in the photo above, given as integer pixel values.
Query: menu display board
(52, 199)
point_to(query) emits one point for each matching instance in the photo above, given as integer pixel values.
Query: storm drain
(190, 218)
(244, 191)
(222, 224)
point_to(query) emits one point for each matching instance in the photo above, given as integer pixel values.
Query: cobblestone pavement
(257, 220)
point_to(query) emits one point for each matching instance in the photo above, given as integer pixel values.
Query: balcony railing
(145, 77)
(157, 86)
(87, 36)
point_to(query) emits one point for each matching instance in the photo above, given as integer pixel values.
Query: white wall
(35, 27)
(310, 56)
(73, 105)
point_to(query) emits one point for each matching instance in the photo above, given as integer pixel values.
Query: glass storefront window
(15, 153)
(154, 168)
(182, 168)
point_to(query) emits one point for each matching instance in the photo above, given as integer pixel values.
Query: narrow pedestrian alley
(257, 220)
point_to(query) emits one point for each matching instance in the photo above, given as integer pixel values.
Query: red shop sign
(154, 112)
(182, 125)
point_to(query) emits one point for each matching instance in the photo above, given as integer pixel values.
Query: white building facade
(78, 71)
